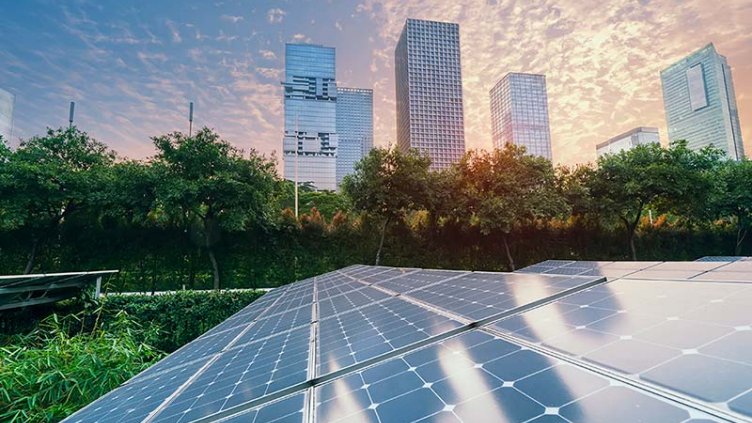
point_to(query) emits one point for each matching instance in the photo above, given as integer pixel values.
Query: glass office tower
(310, 140)
(628, 140)
(429, 91)
(7, 101)
(354, 128)
(700, 103)
(519, 113)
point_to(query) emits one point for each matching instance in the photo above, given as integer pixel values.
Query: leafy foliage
(179, 317)
(60, 367)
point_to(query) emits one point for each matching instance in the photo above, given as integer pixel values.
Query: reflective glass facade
(628, 140)
(519, 113)
(7, 101)
(700, 103)
(354, 128)
(429, 91)
(310, 115)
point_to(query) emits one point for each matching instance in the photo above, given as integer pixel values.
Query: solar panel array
(560, 341)
(18, 291)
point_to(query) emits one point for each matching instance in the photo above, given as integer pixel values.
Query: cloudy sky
(133, 66)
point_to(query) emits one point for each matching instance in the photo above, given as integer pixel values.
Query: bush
(61, 366)
(179, 317)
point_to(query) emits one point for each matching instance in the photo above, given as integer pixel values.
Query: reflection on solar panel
(552, 343)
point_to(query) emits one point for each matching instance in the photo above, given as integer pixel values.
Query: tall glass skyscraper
(7, 101)
(429, 91)
(700, 103)
(519, 113)
(628, 140)
(354, 128)
(310, 140)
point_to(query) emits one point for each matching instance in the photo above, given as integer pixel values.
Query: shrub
(179, 317)
(61, 366)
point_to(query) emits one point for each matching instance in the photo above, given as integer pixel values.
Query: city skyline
(132, 78)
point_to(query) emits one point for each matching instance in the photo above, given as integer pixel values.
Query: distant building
(519, 113)
(698, 95)
(628, 140)
(310, 140)
(354, 128)
(429, 91)
(7, 103)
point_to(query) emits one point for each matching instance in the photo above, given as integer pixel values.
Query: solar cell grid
(417, 280)
(277, 324)
(388, 274)
(133, 402)
(290, 409)
(403, 358)
(374, 330)
(685, 337)
(243, 374)
(478, 296)
(477, 377)
(349, 300)
(197, 349)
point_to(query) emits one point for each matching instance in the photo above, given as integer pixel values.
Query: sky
(132, 67)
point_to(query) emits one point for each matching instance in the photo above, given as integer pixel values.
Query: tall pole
(297, 153)
(70, 114)
(190, 119)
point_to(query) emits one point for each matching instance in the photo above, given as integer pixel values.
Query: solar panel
(416, 280)
(687, 337)
(243, 374)
(386, 344)
(477, 296)
(721, 258)
(374, 330)
(28, 290)
(477, 377)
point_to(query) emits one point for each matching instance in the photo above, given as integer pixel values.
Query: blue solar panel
(478, 296)
(477, 377)
(375, 330)
(691, 338)
(243, 374)
(404, 345)
(350, 300)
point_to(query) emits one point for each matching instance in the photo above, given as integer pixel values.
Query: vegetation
(201, 214)
(61, 366)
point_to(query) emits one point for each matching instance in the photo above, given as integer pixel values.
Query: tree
(733, 197)
(208, 184)
(672, 179)
(388, 184)
(49, 178)
(500, 190)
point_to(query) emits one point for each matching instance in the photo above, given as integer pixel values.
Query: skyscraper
(429, 91)
(628, 140)
(519, 113)
(698, 95)
(354, 128)
(310, 140)
(7, 101)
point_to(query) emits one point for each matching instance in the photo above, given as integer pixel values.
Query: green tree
(733, 197)
(673, 179)
(501, 190)
(206, 183)
(388, 184)
(49, 178)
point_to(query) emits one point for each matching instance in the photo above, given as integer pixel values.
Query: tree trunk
(740, 235)
(509, 252)
(632, 247)
(32, 257)
(215, 267)
(381, 243)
